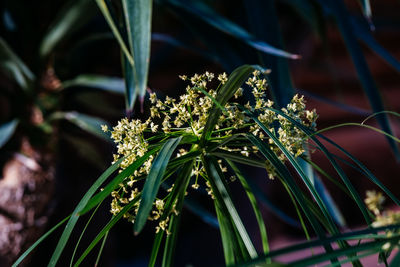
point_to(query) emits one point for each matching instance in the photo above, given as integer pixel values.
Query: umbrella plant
(200, 142)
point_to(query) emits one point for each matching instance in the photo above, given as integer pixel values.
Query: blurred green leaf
(137, 15)
(264, 25)
(365, 35)
(7, 130)
(212, 18)
(87, 123)
(106, 83)
(310, 12)
(153, 182)
(343, 21)
(70, 19)
(86, 150)
(14, 66)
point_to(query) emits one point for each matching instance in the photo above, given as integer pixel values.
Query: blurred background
(61, 77)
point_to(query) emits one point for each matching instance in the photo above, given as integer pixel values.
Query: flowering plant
(191, 142)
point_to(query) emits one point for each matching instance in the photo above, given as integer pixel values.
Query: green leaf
(362, 168)
(375, 246)
(343, 21)
(253, 201)
(365, 35)
(70, 19)
(156, 246)
(106, 83)
(299, 170)
(15, 67)
(43, 237)
(284, 173)
(87, 123)
(6, 131)
(130, 83)
(170, 243)
(153, 182)
(107, 15)
(220, 191)
(75, 214)
(82, 234)
(235, 80)
(226, 236)
(364, 234)
(105, 230)
(209, 16)
(106, 191)
(137, 15)
(86, 150)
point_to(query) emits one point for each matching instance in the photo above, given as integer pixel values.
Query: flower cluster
(187, 116)
(374, 201)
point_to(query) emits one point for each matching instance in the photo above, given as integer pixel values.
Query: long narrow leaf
(365, 35)
(105, 230)
(283, 172)
(40, 240)
(75, 215)
(15, 66)
(209, 16)
(106, 191)
(73, 16)
(109, 84)
(171, 240)
(253, 201)
(343, 20)
(85, 122)
(153, 182)
(215, 176)
(137, 15)
(366, 234)
(107, 15)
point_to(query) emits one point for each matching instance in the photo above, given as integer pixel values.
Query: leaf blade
(137, 15)
(153, 182)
